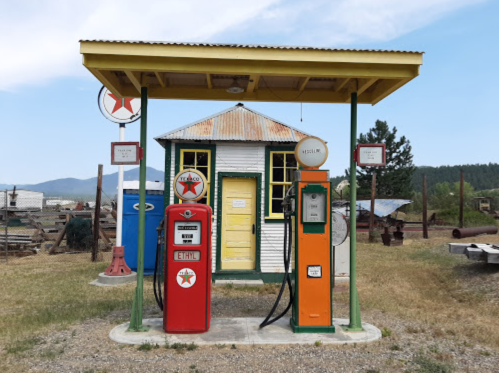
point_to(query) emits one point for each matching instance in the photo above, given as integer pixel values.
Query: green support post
(138, 300)
(355, 322)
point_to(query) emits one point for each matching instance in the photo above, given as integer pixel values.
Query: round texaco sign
(190, 185)
(118, 110)
(186, 277)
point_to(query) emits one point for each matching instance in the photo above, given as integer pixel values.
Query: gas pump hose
(157, 279)
(286, 279)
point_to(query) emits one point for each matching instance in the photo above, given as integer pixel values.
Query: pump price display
(314, 207)
(187, 233)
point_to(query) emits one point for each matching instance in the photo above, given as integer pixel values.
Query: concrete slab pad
(104, 280)
(239, 282)
(244, 331)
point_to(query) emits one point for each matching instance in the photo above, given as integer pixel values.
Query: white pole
(119, 212)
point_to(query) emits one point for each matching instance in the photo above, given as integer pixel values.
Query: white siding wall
(245, 157)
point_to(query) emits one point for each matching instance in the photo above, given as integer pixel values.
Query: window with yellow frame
(199, 160)
(282, 167)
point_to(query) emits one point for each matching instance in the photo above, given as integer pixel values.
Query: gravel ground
(411, 347)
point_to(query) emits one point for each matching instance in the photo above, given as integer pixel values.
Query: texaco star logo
(190, 185)
(186, 277)
(118, 109)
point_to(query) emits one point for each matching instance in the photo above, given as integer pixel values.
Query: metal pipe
(137, 307)
(355, 323)
(119, 207)
(475, 231)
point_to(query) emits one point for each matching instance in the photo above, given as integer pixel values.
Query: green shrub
(472, 218)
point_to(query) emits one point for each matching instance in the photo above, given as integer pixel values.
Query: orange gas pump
(307, 243)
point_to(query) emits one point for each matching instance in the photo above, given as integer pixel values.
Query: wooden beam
(263, 95)
(250, 67)
(383, 89)
(253, 83)
(110, 80)
(208, 81)
(302, 82)
(136, 79)
(341, 84)
(361, 85)
(160, 79)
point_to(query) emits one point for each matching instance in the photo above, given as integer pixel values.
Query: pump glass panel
(314, 207)
(187, 232)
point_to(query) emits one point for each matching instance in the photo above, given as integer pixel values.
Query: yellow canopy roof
(201, 71)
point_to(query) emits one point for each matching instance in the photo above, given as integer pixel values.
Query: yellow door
(238, 223)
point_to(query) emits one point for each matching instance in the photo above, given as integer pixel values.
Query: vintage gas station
(233, 72)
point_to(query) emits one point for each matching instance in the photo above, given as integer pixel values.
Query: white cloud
(39, 39)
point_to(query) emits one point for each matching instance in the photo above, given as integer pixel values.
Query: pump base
(310, 329)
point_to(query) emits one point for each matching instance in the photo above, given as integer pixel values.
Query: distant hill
(71, 187)
(480, 176)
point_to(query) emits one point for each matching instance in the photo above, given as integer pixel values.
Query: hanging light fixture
(235, 87)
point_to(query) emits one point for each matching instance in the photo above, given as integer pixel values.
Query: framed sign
(370, 155)
(123, 153)
(311, 152)
(190, 185)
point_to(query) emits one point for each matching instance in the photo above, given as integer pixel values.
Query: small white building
(248, 160)
(24, 200)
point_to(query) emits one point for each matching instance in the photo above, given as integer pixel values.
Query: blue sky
(51, 126)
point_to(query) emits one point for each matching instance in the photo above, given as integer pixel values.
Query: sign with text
(311, 152)
(370, 155)
(124, 153)
(190, 185)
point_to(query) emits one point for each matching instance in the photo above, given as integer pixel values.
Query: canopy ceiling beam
(110, 80)
(253, 83)
(302, 83)
(160, 79)
(208, 81)
(135, 78)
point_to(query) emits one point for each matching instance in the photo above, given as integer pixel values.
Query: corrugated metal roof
(237, 123)
(260, 46)
(382, 207)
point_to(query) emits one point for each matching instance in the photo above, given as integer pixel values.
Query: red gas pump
(187, 270)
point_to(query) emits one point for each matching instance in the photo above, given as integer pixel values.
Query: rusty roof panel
(237, 123)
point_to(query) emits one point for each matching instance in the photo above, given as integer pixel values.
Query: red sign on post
(125, 153)
(369, 155)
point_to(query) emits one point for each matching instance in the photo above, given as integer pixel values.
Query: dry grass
(36, 297)
(447, 294)
(422, 281)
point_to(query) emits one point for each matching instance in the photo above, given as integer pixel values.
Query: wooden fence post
(96, 227)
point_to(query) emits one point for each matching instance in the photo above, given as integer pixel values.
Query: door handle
(254, 228)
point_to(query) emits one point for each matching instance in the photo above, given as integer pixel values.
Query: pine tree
(393, 180)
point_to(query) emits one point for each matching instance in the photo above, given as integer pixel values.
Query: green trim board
(331, 270)
(168, 169)
(251, 275)
(258, 219)
(311, 329)
(213, 149)
(268, 149)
